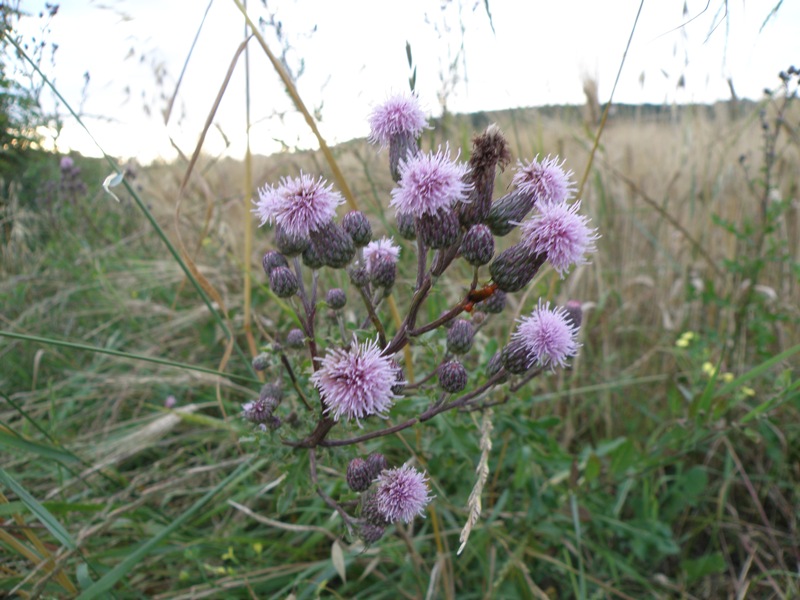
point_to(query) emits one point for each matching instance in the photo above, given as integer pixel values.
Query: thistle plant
(361, 384)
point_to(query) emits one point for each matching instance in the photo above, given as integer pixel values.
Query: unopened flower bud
(270, 390)
(359, 276)
(334, 246)
(508, 211)
(377, 464)
(494, 304)
(359, 476)
(283, 282)
(273, 422)
(452, 376)
(370, 533)
(290, 244)
(478, 317)
(515, 267)
(574, 313)
(295, 338)
(259, 411)
(400, 380)
(495, 364)
(439, 230)
(357, 226)
(336, 298)
(261, 361)
(383, 272)
(406, 226)
(370, 510)
(516, 357)
(477, 247)
(312, 257)
(459, 336)
(273, 259)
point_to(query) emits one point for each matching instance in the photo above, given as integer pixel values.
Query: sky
(353, 55)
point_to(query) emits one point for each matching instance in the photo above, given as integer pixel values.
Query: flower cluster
(444, 207)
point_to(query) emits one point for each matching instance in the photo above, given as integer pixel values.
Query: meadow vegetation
(663, 463)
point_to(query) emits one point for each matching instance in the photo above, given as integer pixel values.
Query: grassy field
(663, 463)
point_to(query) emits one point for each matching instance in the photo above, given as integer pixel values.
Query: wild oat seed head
(401, 494)
(399, 115)
(546, 181)
(547, 335)
(300, 205)
(428, 183)
(357, 383)
(559, 232)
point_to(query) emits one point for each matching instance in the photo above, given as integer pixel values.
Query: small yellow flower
(748, 391)
(709, 369)
(727, 377)
(258, 547)
(229, 554)
(682, 343)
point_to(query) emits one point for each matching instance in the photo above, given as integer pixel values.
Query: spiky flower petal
(547, 336)
(357, 383)
(560, 233)
(300, 205)
(401, 494)
(400, 115)
(545, 181)
(429, 183)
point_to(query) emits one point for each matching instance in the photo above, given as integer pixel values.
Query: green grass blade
(40, 512)
(14, 442)
(108, 580)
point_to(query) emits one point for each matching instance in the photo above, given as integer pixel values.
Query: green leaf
(40, 512)
(697, 568)
(15, 442)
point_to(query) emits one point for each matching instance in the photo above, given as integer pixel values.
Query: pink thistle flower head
(299, 205)
(560, 233)
(545, 181)
(429, 183)
(356, 383)
(400, 115)
(382, 249)
(401, 494)
(547, 335)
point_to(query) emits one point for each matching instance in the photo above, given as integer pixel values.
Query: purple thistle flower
(401, 494)
(560, 233)
(545, 181)
(300, 205)
(547, 335)
(383, 248)
(400, 115)
(429, 183)
(357, 383)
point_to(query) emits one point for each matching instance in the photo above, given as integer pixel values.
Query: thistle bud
(516, 357)
(359, 476)
(261, 362)
(312, 257)
(495, 364)
(273, 259)
(494, 304)
(290, 244)
(359, 276)
(370, 511)
(459, 337)
(406, 226)
(370, 533)
(336, 298)
(270, 390)
(259, 411)
(574, 313)
(400, 380)
(477, 247)
(357, 226)
(514, 268)
(509, 210)
(383, 272)
(295, 338)
(334, 246)
(439, 230)
(452, 376)
(283, 282)
(377, 464)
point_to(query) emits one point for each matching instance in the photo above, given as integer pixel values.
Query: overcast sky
(529, 53)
